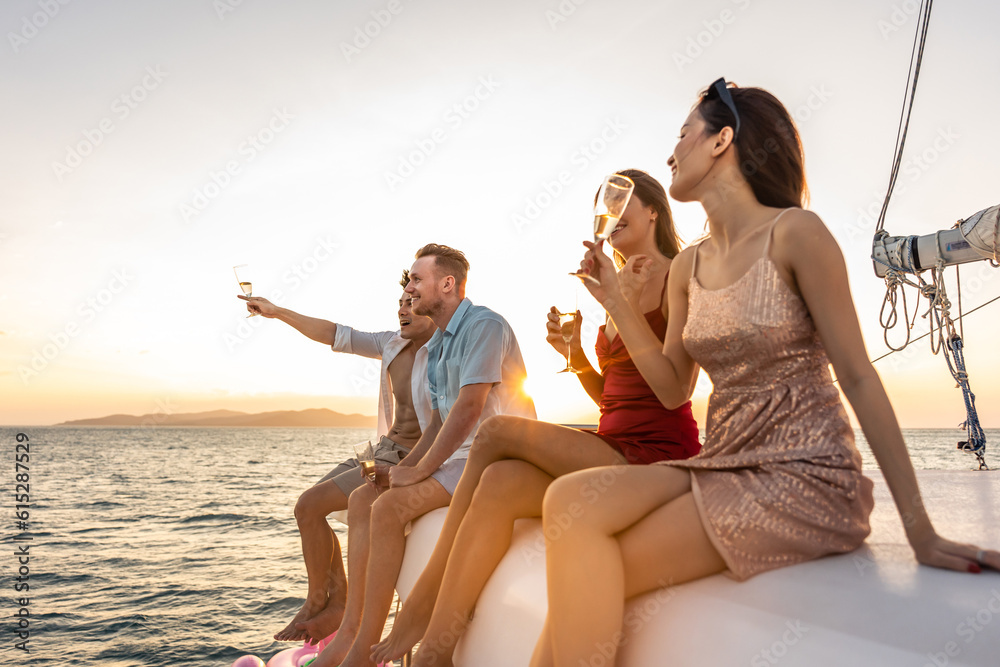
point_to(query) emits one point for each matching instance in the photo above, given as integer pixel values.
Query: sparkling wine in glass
(611, 202)
(366, 458)
(245, 285)
(567, 325)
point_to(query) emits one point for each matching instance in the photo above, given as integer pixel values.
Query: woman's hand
(633, 277)
(554, 333)
(600, 266)
(939, 552)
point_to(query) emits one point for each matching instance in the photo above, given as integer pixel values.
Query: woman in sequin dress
(763, 305)
(513, 460)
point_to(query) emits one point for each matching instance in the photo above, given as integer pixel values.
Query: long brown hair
(768, 146)
(651, 193)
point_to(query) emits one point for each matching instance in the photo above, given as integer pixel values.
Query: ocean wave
(215, 518)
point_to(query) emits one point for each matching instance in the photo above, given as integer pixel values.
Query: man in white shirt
(404, 412)
(475, 371)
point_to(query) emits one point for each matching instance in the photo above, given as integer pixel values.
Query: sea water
(178, 546)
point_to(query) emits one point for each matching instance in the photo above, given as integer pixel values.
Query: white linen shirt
(386, 345)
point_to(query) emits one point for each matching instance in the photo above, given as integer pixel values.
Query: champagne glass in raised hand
(245, 285)
(567, 326)
(612, 199)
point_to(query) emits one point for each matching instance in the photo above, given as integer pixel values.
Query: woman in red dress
(513, 460)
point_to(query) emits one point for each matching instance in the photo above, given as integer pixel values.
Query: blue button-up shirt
(478, 346)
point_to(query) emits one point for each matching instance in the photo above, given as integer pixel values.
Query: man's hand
(405, 476)
(259, 305)
(381, 476)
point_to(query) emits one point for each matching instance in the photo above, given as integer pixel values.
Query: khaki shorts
(347, 476)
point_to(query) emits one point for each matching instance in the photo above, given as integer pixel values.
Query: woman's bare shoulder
(800, 231)
(684, 260)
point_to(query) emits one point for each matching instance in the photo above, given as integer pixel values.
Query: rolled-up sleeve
(361, 343)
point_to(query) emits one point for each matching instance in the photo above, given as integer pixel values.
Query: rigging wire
(894, 351)
(916, 57)
(948, 339)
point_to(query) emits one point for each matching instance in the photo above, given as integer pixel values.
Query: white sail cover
(980, 230)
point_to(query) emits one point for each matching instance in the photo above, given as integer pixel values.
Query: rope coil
(943, 334)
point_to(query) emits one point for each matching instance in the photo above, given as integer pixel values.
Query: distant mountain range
(317, 418)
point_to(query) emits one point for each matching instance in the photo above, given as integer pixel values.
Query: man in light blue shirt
(475, 370)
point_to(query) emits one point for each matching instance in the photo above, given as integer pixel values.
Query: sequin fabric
(778, 480)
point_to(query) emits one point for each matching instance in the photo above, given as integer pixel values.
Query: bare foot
(291, 632)
(431, 655)
(357, 657)
(323, 624)
(336, 650)
(407, 629)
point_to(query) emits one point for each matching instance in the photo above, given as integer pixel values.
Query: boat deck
(874, 606)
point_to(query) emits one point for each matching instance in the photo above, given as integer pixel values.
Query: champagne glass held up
(567, 325)
(608, 210)
(245, 284)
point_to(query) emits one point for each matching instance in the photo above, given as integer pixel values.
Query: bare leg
(555, 450)
(640, 531)
(508, 490)
(542, 656)
(390, 514)
(358, 542)
(321, 553)
(336, 589)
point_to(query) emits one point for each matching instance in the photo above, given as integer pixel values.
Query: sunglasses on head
(720, 91)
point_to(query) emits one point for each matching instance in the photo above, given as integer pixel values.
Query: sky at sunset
(148, 147)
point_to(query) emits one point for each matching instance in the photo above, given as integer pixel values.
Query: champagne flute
(612, 198)
(567, 325)
(245, 285)
(366, 459)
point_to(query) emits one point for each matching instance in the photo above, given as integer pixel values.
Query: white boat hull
(875, 606)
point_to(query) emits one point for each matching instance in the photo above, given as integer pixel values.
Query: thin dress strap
(694, 262)
(664, 290)
(770, 231)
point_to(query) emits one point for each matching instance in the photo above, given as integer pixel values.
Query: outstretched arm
(805, 247)
(321, 331)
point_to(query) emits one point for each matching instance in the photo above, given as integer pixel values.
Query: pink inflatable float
(290, 657)
(249, 661)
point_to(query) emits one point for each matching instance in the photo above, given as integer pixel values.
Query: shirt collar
(456, 318)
